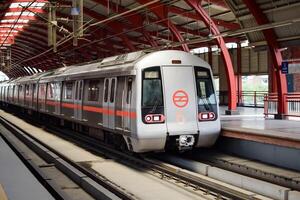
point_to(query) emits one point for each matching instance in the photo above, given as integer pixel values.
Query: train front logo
(180, 98)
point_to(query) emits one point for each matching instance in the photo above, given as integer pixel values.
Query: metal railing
(291, 101)
(252, 98)
(245, 98)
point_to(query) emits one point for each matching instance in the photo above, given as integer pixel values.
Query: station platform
(16, 181)
(249, 134)
(251, 125)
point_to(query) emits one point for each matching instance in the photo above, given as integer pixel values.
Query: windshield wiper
(205, 103)
(155, 104)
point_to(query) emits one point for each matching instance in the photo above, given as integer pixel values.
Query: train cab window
(112, 90)
(93, 93)
(205, 90)
(68, 90)
(129, 91)
(152, 87)
(106, 90)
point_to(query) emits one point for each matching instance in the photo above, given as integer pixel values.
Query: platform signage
(285, 67)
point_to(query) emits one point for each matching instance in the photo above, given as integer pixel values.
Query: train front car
(176, 103)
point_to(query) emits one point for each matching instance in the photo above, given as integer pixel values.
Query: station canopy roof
(113, 27)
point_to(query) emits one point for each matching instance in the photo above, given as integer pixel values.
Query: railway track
(186, 179)
(206, 188)
(96, 186)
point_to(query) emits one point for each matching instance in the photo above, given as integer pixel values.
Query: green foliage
(255, 83)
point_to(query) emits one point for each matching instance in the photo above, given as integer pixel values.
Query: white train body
(153, 101)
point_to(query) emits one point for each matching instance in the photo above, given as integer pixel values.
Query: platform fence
(292, 102)
(245, 98)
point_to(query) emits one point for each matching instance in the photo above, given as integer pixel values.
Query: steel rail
(44, 151)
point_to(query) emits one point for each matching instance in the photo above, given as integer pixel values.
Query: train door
(57, 97)
(105, 104)
(78, 100)
(110, 86)
(180, 100)
(127, 104)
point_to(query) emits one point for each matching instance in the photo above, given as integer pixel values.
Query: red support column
(272, 75)
(232, 98)
(276, 56)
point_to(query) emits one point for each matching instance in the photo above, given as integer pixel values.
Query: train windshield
(205, 90)
(152, 88)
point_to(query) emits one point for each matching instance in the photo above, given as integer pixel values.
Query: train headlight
(148, 118)
(154, 118)
(206, 116)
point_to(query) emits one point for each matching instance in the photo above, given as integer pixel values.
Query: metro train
(147, 102)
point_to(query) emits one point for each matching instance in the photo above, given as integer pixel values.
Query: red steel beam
(26, 49)
(160, 10)
(36, 39)
(220, 3)
(194, 16)
(271, 39)
(16, 17)
(31, 43)
(18, 9)
(184, 30)
(136, 19)
(232, 99)
(7, 29)
(22, 1)
(115, 27)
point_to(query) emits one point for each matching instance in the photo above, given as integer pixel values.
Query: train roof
(121, 65)
(115, 65)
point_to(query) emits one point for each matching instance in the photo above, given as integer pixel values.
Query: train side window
(57, 91)
(80, 84)
(68, 94)
(50, 90)
(13, 92)
(106, 90)
(93, 93)
(129, 90)
(21, 93)
(112, 90)
(42, 91)
(27, 90)
(76, 90)
(20, 88)
(33, 88)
